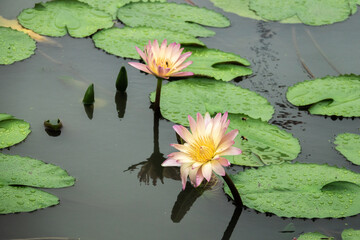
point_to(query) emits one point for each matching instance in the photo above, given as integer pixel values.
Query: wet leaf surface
(217, 64)
(339, 96)
(122, 41)
(300, 190)
(12, 131)
(171, 16)
(190, 96)
(348, 144)
(19, 174)
(59, 17)
(15, 46)
(262, 143)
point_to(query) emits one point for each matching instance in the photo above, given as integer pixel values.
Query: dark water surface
(120, 193)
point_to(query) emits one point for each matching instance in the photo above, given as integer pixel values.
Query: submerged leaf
(300, 190)
(350, 234)
(313, 236)
(59, 17)
(261, 142)
(241, 8)
(172, 16)
(190, 96)
(348, 144)
(339, 96)
(122, 41)
(12, 131)
(15, 46)
(111, 6)
(17, 173)
(310, 12)
(217, 64)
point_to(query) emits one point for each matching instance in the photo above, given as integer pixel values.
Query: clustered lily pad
(348, 144)
(310, 12)
(262, 143)
(347, 234)
(12, 131)
(15, 46)
(111, 6)
(122, 41)
(300, 190)
(217, 64)
(339, 96)
(190, 96)
(59, 17)
(172, 16)
(17, 177)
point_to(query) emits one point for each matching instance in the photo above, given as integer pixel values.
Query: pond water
(122, 192)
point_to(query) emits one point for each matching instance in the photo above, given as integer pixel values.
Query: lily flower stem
(158, 93)
(234, 191)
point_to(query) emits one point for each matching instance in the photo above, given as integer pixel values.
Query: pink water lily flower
(164, 61)
(201, 153)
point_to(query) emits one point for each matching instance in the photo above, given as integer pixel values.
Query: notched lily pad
(172, 16)
(310, 12)
(59, 17)
(19, 174)
(261, 143)
(348, 144)
(241, 8)
(217, 64)
(300, 190)
(190, 96)
(111, 6)
(122, 41)
(339, 96)
(15, 46)
(12, 131)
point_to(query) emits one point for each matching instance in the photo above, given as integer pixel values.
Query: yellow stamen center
(203, 149)
(164, 62)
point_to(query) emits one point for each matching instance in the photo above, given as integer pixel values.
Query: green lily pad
(261, 143)
(172, 16)
(111, 6)
(310, 12)
(12, 131)
(59, 17)
(350, 234)
(190, 96)
(4, 116)
(348, 144)
(313, 236)
(19, 174)
(241, 8)
(339, 96)
(15, 46)
(122, 41)
(217, 64)
(300, 190)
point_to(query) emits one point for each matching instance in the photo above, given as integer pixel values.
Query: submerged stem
(158, 93)
(234, 191)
